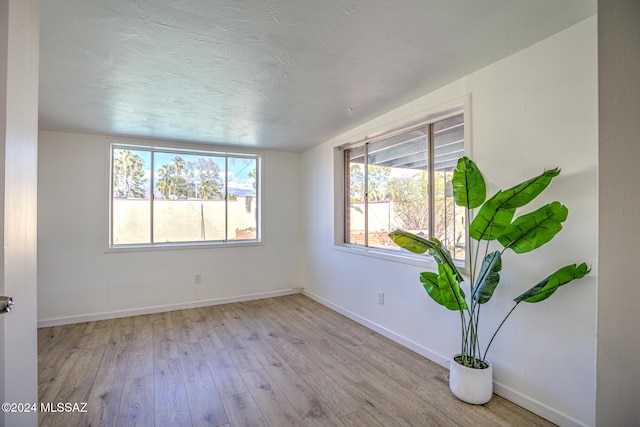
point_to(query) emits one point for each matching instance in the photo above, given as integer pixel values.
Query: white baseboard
(538, 408)
(57, 321)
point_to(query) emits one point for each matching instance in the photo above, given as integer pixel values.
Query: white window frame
(397, 126)
(186, 149)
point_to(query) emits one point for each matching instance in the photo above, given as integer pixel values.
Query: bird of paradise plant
(494, 221)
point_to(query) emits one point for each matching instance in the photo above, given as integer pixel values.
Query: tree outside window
(188, 197)
(403, 181)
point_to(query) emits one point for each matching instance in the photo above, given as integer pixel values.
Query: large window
(403, 180)
(168, 196)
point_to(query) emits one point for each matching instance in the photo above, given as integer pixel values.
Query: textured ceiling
(275, 74)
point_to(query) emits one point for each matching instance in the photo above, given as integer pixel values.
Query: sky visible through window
(239, 180)
(241, 173)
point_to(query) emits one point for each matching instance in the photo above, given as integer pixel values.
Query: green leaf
(491, 220)
(469, 188)
(443, 288)
(488, 277)
(411, 242)
(533, 230)
(420, 245)
(442, 256)
(548, 286)
(525, 192)
(497, 212)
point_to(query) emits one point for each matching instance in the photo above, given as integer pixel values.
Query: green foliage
(548, 286)
(171, 182)
(253, 174)
(490, 221)
(533, 230)
(444, 288)
(204, 179)
(378, 179)
(523, 193)
(493, 221)
(406, 190)
(411, 242)
(420, 245)
(128, 174)
(199, 179)
(469, 188)
(356, 183)
(488, 278)
(409, 194)
(497, 212)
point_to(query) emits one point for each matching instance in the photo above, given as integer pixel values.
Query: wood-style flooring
(274, 362)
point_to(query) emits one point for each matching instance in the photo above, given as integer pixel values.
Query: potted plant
(471, 377)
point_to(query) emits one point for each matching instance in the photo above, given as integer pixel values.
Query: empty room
(350, 213)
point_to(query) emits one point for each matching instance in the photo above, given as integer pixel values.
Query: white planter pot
(470, 385)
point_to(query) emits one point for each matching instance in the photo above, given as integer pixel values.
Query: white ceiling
(275, 74)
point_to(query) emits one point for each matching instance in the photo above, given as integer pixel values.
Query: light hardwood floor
(274, 362)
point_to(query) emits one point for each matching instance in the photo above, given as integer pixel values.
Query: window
(168, 196)
(403, 180)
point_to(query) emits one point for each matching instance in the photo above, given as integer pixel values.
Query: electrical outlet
(197, 278)
(381, 298)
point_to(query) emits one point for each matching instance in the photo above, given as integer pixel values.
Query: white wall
(78, 281)
(536, 109)
(618, 387)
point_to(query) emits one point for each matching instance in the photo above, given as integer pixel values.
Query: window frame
(392, 128)
(182, 149)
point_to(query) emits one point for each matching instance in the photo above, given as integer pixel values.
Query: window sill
(403, 257)
(181, 246)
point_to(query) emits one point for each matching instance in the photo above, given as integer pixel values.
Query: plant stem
(496, 332)
(464, 327)
(477, 322)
